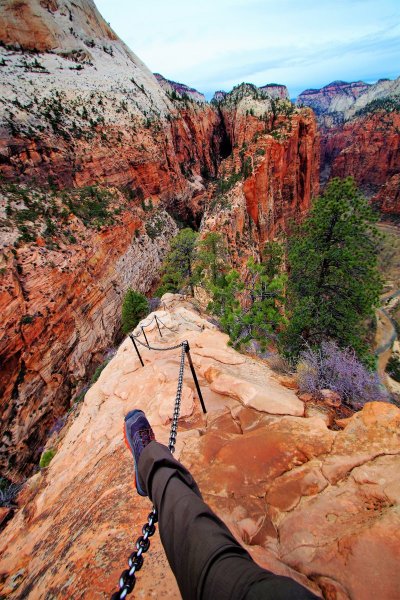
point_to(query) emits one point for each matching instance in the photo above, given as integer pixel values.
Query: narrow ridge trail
(306, 501)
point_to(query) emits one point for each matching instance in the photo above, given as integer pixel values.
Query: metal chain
(164, 325)
(178, 398)
(159, 349)
(127, 580)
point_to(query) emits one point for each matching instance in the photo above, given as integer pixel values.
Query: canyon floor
(319, 505)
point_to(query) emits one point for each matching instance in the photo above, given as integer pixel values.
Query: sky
(215, 44)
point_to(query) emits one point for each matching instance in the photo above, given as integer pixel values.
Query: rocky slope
(60, 301)
(275, 157)
(78, 108)
(82, 117)
(360, 135)
(181, 90)
(276, 91)
(319, 505)
(86, 109)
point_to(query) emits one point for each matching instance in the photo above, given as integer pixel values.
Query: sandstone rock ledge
(319, 505)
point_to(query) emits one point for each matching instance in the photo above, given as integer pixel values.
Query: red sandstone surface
(60, 311)
(276, 148)
(314, 504)
(367, 148)
(84, 111)
(360, 135)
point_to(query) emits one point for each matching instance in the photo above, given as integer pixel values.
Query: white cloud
(216, 44)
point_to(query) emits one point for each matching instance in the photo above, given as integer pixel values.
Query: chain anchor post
(137, 349)
(187, 350)
(159, 330)
(145, 337)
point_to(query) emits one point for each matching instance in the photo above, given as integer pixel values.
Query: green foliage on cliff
(134, 307)
(46, 458)
(380, 104)
(180, 265)
(91, 205)
(211, 256)
(252, 309)
(334, 282)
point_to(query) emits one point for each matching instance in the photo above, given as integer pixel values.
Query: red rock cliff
(89, 112)
(275, 156)
(317, 505)
(82, 110)
(360, 135)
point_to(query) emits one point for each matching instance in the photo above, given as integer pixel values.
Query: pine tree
(252, 309)
(333, 282)
(264, 313)
(212, 257)
(226, 305)
(179, 267)
(134, 308)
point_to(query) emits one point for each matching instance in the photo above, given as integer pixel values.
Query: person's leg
(205, 558)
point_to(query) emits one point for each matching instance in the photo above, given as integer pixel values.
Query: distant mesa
(219, 96)
(182, 90)
(276, 91)
(321, 99)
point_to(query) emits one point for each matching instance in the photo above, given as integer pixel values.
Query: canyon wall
(360, 136)
(275, 159)
(79, 111)
(79, 108)
(307, 501)
(60, 306)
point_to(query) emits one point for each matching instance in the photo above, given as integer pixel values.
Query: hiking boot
(138, 434)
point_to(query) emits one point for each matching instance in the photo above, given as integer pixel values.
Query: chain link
(127, 580)
(164, 325)
(178, 398)
(159, 349)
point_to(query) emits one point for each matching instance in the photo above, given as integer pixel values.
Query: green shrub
(26, 319)
(154, 227)
(134, 308)
(225, 184)
(98, 372)
(393, 367)
(46, 458)
(91, 204)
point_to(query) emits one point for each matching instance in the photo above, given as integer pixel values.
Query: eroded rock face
(317, 505)
(275, 156)
(181, 90)
(360, 136)
(275, 90)
(368, 149)
(332, 99)
(60, 312)
(82, 109)
(85, 108)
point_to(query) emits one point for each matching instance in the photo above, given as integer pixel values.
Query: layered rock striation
(332, 101)
(60, 310)
(274, 158)
(275, 90)
(360, 135)
(84, 108)
(79, 110)
(307, 502)
(181, 90)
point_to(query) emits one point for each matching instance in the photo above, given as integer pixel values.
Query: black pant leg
(205, 558)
